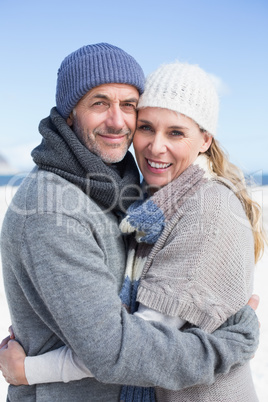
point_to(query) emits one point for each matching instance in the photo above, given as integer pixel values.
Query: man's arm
(115, 346)
(58, 365)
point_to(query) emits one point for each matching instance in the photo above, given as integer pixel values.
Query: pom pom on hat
(91, 66)
(186, 89)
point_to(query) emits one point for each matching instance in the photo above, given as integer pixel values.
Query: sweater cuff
(177, 308)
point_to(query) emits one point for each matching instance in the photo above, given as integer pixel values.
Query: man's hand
(12, 358)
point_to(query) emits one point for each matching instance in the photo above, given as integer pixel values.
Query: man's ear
(206, 143)
(70, 119)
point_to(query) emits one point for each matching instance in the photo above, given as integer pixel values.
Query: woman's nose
(157, 145)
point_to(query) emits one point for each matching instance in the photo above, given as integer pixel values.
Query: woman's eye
(145, 127)
(176, 133)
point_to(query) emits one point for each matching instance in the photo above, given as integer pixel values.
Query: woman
(203, 225)
(195, 237)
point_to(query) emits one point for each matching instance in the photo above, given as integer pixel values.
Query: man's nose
(115, 118)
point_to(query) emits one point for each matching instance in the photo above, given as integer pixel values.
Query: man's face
(104, 120)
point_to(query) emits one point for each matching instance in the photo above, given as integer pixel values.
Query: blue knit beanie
(91, 66)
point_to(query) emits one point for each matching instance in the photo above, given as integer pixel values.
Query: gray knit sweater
(63, 261)
(199, 265)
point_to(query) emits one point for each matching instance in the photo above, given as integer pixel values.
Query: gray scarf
(60, 152)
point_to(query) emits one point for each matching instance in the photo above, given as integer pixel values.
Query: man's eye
(129, 106)
(100, 106)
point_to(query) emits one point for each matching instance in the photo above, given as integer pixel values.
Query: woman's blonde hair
(224, 168)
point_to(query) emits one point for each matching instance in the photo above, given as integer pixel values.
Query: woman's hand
(12, 358)
(4, 342)
(8, 338)
(254, 302)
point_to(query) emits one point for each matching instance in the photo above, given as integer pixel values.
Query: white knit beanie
(186, 89)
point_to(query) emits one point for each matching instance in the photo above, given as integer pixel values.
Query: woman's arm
(149, 314)
(59, 365)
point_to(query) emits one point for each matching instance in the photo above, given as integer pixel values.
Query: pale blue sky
(227, 38)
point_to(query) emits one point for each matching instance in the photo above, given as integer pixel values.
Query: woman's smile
(157, 165)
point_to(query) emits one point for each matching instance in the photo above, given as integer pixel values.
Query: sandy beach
(260, 362)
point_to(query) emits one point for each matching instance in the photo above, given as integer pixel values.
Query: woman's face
(166, 144)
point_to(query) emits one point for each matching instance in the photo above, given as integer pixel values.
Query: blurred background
(227, 38)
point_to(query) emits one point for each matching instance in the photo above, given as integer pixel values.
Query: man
(64, 257)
